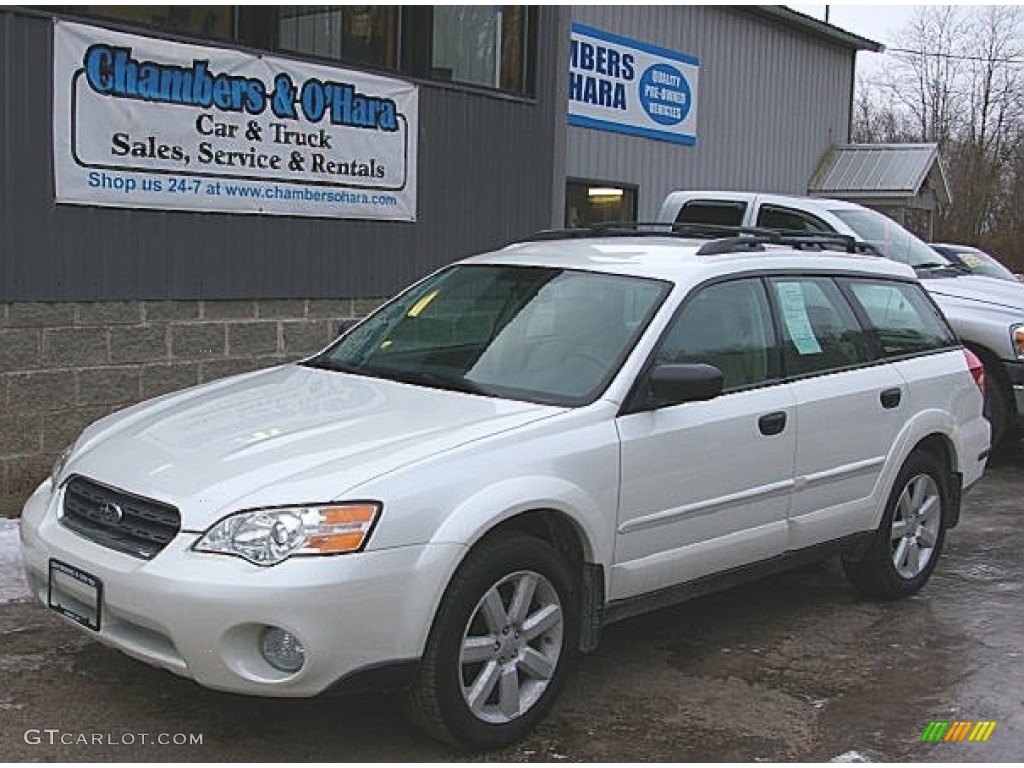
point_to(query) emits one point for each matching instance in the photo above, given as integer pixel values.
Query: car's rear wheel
(906, 547)
(501, 641)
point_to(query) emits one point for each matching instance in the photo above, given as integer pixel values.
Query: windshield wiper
(421, 378)
(325, 364)
(433, 379)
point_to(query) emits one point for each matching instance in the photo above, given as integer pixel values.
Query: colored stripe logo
(958, 730)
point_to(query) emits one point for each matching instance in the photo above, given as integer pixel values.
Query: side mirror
(692, 382)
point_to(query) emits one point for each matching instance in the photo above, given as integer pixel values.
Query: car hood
(987, 290)
(283, 436)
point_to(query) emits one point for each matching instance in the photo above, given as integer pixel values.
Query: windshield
(531, 333)
(890, 239)
(976, 262)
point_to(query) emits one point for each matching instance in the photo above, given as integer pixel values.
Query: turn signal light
(342, 529)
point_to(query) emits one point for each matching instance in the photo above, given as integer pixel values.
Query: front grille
(118, 520)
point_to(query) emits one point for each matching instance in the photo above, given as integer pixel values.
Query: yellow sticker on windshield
(423, 303)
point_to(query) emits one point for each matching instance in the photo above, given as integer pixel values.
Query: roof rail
(731, 245)
(645, 229)
(722, 238)
(819, 241)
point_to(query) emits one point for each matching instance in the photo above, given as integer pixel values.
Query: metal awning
(898, 173)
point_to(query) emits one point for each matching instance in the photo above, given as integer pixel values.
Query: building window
(480, 45)
(593, 202)
(364, 34)
(213, 21)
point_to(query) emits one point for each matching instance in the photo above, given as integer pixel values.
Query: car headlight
(59, 464)
(1017, 339)
(269, 536)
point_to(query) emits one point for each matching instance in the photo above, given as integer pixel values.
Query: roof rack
(644, 229)
(722, 238)
(823, 241)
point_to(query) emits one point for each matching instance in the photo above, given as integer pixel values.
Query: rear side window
(820, 331)
(727, 213)
(902, 318)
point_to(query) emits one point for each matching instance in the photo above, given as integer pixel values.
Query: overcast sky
(874, 21)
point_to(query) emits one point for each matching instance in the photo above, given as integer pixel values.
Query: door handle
(772, 423)
(890, 398)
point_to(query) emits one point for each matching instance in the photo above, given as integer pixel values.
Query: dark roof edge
(806, 23)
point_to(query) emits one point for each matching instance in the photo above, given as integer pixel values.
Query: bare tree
(957, 78)
(994, 113)
(876, 122)
(924, 82)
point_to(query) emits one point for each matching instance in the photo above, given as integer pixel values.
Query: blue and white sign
(628, 86)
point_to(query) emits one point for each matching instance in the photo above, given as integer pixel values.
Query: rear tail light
(976, 368)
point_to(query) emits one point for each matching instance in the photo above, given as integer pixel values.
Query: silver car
(974, 260)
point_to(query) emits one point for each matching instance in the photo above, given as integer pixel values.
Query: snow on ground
(13, 587)
(852, 756)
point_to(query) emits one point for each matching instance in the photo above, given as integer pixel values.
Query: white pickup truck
(987, 314)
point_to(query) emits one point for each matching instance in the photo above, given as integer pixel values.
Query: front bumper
(201, 615)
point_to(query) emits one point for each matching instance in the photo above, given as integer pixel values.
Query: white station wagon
(459, 493)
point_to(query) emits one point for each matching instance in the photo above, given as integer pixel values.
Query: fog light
(282, 650)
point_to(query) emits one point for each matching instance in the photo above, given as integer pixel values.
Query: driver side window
(727, 325)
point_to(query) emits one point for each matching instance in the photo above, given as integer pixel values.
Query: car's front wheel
(500, 644)
(907, 544)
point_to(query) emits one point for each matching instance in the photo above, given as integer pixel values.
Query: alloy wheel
(915, 526)
(511, 647)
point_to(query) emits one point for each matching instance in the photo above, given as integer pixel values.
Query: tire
(909, 539)
(494, 661)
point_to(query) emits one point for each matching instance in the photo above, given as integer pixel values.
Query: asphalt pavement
(796, 667)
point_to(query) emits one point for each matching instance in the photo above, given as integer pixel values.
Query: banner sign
(627, 86)
(147, 123)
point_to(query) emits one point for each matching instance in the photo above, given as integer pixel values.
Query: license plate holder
(76, 594)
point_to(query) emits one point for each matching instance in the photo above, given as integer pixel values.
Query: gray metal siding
(771, 101)
(487, 175)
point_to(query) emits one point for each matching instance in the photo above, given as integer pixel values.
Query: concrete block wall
(64, 365)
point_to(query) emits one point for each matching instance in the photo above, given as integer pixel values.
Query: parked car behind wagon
(974, 260)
